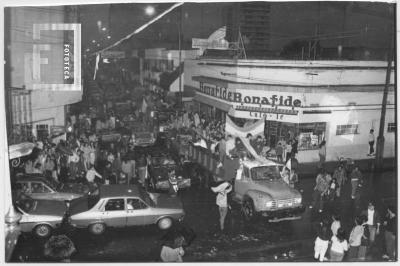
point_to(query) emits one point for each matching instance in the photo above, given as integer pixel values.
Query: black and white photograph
(199, 132)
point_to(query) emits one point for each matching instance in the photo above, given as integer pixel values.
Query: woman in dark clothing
(322, 240)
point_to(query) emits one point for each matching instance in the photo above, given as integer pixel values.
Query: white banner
(255, 129)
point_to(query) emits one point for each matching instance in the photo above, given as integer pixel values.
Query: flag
(144, 105)
(255, 129)
(289, 164)
(96, 67)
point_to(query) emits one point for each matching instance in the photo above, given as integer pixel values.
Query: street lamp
(150, 10)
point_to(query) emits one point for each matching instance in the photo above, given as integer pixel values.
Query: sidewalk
(310, 169)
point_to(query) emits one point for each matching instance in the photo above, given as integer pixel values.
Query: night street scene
(200, 132)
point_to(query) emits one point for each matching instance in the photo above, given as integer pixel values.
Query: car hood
(278, 189)
(61, 196)
(49, 207)
(167, 202)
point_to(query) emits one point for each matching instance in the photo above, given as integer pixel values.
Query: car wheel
(97, 228)
(248, 210)
(42, 230)
(164, 223)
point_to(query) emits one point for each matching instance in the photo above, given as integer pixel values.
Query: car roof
(256, 163)
(109, 191)
(31, 177)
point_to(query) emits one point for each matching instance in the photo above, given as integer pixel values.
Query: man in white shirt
(222, 201)
(373, 221)
(91, 175)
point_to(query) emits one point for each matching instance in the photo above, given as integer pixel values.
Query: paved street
(258, 241)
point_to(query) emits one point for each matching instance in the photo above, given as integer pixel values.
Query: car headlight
(269, 204)
(297, 200)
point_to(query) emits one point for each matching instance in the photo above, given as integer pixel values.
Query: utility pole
(381, 139)
(180, 55)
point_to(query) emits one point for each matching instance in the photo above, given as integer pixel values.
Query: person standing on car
(222, 190)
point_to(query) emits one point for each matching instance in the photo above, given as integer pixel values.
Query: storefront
(309, 115)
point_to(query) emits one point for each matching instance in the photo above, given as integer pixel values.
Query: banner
(255, 129)
(110, 54)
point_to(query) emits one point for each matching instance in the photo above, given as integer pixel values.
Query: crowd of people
(333, 240)
(359, 242)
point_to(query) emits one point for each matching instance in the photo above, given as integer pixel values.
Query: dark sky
(363, 23)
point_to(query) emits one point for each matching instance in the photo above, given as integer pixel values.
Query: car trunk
(166, 201)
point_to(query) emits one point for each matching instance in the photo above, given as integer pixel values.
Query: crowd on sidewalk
(357, 244)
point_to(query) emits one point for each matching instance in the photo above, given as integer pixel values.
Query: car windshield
(266, 173)
(26, 204)
(51, 183)
(143, 135)
(146, 197)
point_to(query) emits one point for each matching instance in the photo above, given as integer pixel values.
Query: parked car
(122, 205)
(40, 217)
(39, 187)
(160, 166)
(144, 138)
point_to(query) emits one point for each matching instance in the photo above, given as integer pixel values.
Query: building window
(26, 131)
(347, 129)
(311, 135)
(42, 131)
(391, 127)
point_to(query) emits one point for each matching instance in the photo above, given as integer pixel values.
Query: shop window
(391, 127)
(42, 131)
(311, 135)
(347, 129)
(26, 131)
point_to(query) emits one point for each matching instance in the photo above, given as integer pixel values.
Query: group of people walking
(331, 240)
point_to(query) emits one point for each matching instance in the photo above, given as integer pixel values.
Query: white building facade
(36, 111)
(339, 101)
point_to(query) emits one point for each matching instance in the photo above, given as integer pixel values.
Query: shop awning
(19, 150)
(219, 104)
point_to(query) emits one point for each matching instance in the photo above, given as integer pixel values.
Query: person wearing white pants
(322, 241)
(320, 248)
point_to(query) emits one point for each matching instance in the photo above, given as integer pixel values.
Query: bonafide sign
(237, 97)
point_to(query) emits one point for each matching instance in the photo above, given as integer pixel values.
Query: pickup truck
(260, 190)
